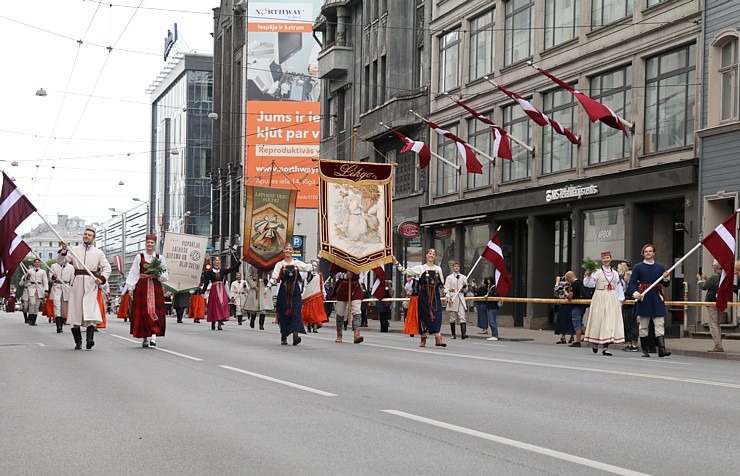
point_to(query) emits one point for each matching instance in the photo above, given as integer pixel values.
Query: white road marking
(40, 344)
(281, 382)
(659, 362)
(446, 353)
(520, 445)
(157, 348)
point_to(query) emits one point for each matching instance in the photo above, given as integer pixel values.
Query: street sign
(297, 241)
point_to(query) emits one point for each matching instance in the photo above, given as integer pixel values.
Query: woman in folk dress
(605, 324)
(429, 276)
(289, 304)
(148, 313)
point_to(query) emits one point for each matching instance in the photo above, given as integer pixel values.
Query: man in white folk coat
(239, 289)
(36, 283)
(456, 285)
(61, 280)
(84, 309)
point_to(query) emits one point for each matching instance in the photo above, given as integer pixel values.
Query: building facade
(375, 67)
(127, 231)
(719, 135)
(180, 187)
(45, 243)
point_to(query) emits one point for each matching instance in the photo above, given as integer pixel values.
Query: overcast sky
(91, 131)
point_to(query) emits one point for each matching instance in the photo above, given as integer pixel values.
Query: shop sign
(409, 229)
(443, 233)
(570, 191)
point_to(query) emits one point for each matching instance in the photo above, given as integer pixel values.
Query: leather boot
(60, 324)
(358, 337)
(25, 318)
(339, 335)
(644, 345)
(32, 319)
(296, 338)
(262, 322)
(90, 334)
(452, 330)
(239, 320)
(252, 317)
(77, 334)
(661, 346)
(219, 326)
(213, 326)
(463, 330)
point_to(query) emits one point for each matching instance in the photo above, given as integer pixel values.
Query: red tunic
(142, 323)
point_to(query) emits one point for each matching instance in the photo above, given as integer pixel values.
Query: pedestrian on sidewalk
(605, 319)
(564, 317)
(628, 312)
(144, 284)
(481, 307)
(650, 306)
(576, 311)
(491, 306)
(711, 286)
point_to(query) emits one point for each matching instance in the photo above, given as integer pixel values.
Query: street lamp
(123, 237)
(187, 221)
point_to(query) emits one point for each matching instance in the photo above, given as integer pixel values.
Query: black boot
(32, 319)
(60, 324)
(252, 317)
(463, 330)
(219, 326)
(644, 345)
(452, 330)
(77, 334)
(606, 350)
(213, 326)
(661, 346)
(262, 322)
(239, 320)
(90, 334)
(25, 318)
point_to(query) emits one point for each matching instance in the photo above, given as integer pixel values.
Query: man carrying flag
(721, 244)
(650, 303)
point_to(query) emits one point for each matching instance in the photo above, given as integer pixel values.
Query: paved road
(237, 402)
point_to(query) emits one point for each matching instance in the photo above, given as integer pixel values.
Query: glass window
(481, 45)
(476, 239)
(669, 99)
(449, 61)
(407, 174)
(479, 136)
(614, 89)
(557, 151)
(446, 174)
(650, 3)
(729, 80)
(444, 244)
(561, 20)
(603, 230)
(516, 123)
(604, 12)
(519, 34)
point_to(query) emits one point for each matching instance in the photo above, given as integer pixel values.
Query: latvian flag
(501, 146)
(721, 244)
(421, 149)
(471, 161)
(540, 117)
(378, 289)
(493, 254)
(594, 109)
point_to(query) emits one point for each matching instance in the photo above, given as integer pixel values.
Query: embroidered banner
(269, 217)
(184, 256)
(355, 214)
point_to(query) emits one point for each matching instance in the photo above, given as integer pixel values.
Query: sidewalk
(686, 346)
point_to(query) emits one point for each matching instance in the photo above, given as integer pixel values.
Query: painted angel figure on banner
(358, 221)
(267, 236)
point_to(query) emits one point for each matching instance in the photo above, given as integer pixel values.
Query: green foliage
(589, 264)
(155, 268)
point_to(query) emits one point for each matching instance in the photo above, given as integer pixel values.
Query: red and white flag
(12, 251)
(119, 263)
(721, 244)
(421, 149)
(493, 254)
(594, 109)
(378, 289)
(471, 161)
(540, 117)
(14, 208)
(501, 146)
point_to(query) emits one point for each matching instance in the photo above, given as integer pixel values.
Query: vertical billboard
(282, 95)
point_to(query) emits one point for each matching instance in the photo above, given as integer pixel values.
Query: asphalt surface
(237, 402)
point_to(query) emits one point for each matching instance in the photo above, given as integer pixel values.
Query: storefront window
(476, 238)
(603, 230)
(444, 243)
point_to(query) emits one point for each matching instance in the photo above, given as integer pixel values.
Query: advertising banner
(283, 113)
(270, 213)
(355, 214)
(184, 257)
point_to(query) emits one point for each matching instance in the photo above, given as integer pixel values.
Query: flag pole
(436, 156)
(698, 245)
(625, 122)
(68, 249)
(518, 141)
(471, 269)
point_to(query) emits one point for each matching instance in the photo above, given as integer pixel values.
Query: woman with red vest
(144, 282)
